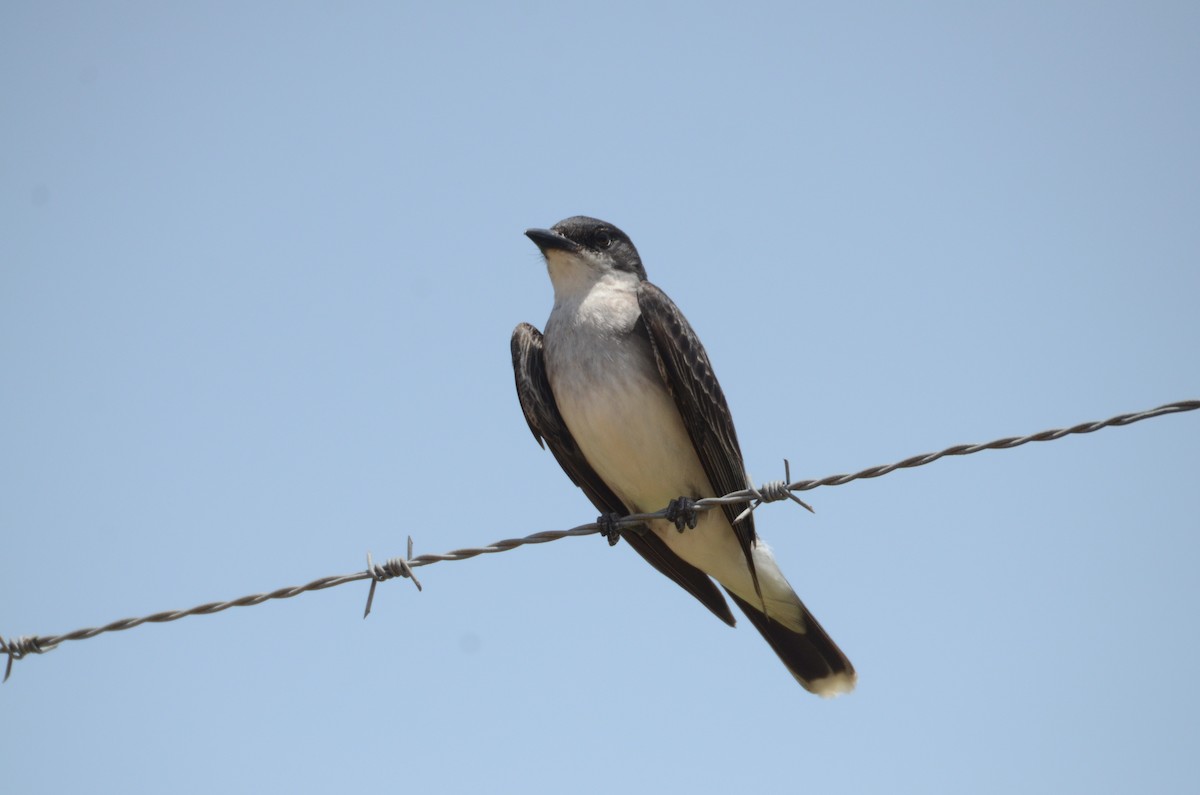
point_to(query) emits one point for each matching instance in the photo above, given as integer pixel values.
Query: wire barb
(390, 569)
(20, 647)
(773, 491)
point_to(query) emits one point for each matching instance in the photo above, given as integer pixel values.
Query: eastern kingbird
(623, 392)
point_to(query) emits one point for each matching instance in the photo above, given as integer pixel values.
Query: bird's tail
(811, 655)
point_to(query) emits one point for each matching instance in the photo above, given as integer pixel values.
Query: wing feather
(688, 374)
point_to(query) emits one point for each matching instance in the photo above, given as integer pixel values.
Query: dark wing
(689, 377)
(541, 412)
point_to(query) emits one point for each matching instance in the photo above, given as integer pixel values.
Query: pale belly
(631, 433)
(614, 402)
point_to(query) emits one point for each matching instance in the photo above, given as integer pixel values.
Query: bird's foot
(682, 512)
(609, 528)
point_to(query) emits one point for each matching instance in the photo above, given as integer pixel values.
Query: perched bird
(623, 392)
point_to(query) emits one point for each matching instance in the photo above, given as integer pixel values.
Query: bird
(624, 395)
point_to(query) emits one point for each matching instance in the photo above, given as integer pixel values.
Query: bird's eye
(603, 239)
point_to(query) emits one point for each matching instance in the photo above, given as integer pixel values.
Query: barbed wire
(773, 491)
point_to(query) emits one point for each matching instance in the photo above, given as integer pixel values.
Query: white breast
(611, 396)
(613, 400)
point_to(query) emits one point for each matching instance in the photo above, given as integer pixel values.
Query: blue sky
(258, 270)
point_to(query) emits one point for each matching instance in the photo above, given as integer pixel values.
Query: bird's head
(582, 251)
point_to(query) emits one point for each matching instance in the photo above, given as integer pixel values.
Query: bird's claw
(682, 512)
(609, 528)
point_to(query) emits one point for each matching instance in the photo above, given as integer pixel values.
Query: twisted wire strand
(20, 647)
(1000, 444)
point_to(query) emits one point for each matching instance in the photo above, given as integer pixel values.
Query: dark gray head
(594, 242)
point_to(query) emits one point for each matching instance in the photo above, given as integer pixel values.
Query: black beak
(549, 240)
